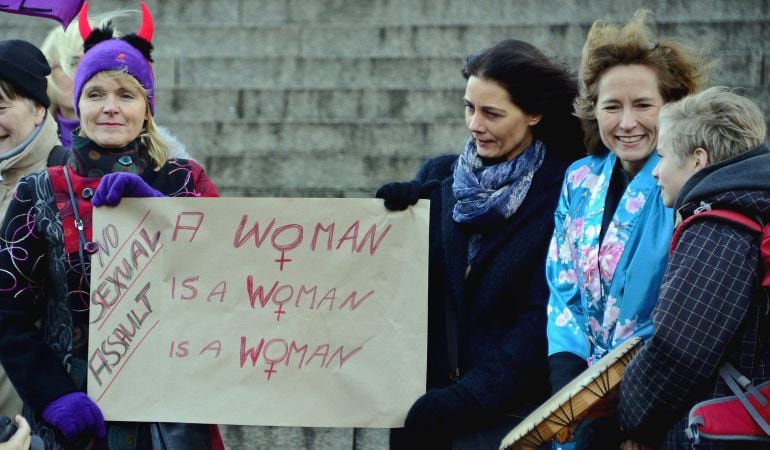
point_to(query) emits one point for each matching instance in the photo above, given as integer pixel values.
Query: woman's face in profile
(63, 80)
(500, 129)
(627, 112)
(112, 113)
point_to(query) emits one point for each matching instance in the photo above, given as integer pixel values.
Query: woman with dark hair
(490, 221)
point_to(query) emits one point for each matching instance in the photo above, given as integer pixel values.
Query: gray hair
(718, 120)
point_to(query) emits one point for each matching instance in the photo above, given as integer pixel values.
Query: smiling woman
(627, 112)
(116, 153)
(27, 138)
(18, 117)
(612, 229)
(23, 102)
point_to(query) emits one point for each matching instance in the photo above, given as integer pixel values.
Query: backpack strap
(735, 381)
(743, 389)
(725, 215)
(59, 156)
(730, 216)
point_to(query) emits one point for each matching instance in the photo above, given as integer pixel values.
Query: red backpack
(745, 415)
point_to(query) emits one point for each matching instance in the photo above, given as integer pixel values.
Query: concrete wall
(333, 98)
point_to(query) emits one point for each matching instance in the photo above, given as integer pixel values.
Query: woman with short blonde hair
(711, 315)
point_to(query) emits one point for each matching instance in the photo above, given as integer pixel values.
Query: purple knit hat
(104, 52)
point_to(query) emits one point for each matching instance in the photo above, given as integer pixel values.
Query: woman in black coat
(490, 224)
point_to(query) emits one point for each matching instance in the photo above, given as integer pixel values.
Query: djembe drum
(574, 401)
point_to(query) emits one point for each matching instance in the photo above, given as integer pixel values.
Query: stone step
(427, 40)
(246, 437)
(418, 12)
(410, 41)
(514, 12)
(309, 104)
(394, 41)
(279, 191)
(361, 40)
(313, 175)
(744, 68)
(237, 138)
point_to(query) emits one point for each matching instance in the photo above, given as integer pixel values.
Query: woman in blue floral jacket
(612, 231)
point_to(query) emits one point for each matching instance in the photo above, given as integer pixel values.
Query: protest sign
(295, 312)
(62, 11)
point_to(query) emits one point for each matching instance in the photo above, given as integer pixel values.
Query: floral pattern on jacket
(602, 293)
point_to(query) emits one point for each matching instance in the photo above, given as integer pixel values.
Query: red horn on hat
(83, 25)
(145, 31)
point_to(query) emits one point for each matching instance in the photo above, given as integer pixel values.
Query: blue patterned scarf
(488, 195)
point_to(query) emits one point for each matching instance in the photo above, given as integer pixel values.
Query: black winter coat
(499, 303)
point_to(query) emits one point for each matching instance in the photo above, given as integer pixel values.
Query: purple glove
(75, 414)
(114, 186)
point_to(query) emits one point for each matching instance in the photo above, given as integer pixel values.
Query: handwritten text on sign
(300, 312)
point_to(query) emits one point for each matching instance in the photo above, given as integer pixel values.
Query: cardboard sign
(295, 312)
(62, 11)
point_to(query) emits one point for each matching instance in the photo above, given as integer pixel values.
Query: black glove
(399, 195)
(598, 434)
(563, 368)
(444, 409)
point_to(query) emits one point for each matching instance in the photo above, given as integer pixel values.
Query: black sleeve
(436, 168)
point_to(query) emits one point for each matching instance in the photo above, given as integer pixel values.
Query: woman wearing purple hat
(63, 49)
(45, 246)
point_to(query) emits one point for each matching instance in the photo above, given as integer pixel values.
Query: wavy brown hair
(681, 70)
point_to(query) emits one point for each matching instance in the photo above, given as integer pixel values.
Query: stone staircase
(333, 98)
